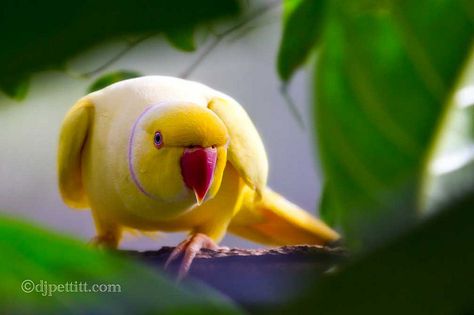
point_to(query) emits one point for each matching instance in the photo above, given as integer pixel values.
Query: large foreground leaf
(39, 35)
(428, 270)
(383, 81)
(450, 171)
(46, 260)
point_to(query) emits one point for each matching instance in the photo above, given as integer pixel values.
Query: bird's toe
(189, 249)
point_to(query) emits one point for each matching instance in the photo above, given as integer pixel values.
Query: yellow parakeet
(160, 153)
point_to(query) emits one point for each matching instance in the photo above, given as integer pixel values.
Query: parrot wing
(73, 136)
(246, 151)
(273, 220)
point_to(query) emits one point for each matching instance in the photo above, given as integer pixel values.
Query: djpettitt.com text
(46, 288)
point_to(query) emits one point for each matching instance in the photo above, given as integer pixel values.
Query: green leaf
(383, 81)
(46, 261)
(36, 38)
(182, 38)
(288, 7)
(112, 77)
(450, 167)
(428, 270)
(328, 208)
(17, 89)
(301, 33)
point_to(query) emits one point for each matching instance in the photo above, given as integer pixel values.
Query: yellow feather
(273, 220)
(107, 160)
(72, 139)
(246, 151)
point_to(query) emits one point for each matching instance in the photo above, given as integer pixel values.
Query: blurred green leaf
(428, 270)
(383, 80)
(288, 7)
(328, 205)
(301, 32)
(16, 90)
(30, 253)
(450, 168)
(112, 77)
(35, 37)
(182, 38)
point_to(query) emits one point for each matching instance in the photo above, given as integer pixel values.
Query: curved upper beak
(197, 168)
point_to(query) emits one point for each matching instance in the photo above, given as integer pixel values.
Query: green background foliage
(302, 30)
(384, 76)
(112, 77)
(43, 35)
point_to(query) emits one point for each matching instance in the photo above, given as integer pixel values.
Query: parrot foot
(189, 248)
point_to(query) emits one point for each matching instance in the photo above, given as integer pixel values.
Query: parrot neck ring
(197, 163)
(131, 145)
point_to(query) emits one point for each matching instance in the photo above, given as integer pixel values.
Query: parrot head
(178, 152)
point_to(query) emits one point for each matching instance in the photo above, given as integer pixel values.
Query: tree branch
(221, 36)
(254, 276)
(130, 45)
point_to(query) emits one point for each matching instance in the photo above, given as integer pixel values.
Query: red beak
(197, 169)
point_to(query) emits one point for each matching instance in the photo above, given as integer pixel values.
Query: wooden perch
(254, 277)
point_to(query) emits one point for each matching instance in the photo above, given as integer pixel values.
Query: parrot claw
(189, 248)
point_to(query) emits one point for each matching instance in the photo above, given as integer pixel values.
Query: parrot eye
(158, 139)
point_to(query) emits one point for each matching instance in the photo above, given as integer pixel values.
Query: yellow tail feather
(273, 220)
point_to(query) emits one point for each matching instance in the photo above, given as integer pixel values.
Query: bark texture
(253, 277)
